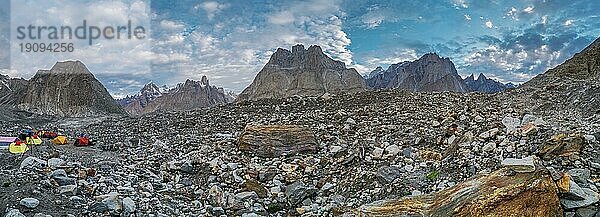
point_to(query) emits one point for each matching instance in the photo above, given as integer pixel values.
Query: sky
(229, 41)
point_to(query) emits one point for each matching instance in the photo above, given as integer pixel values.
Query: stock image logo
(59, 38)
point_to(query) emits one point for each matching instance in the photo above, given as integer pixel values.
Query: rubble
(308, 156)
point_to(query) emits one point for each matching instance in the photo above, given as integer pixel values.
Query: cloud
(281, 18)
(569, 22)
(129, 57)
(528, 9)
(489, 24)
(212, 8)
(460, 3)
(467, 17)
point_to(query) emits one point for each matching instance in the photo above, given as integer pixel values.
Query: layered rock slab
(501, 193)
(277, 140)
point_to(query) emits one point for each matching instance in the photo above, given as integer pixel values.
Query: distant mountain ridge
(430, 73)
(486, 85)
(185, 96)
(303, 72)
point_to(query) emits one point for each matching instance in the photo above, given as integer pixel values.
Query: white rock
(335, 149)
(14, 213)
(32, 163)
(524, 165)
(377, 152)
(511, 124)
(392, 149)
(489, 147)
(55, 162)
(30, 202)
(128, 205)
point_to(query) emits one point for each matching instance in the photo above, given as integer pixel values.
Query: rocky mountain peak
(185, 96)
(68, 89)
(428, 73)
(307, 72)
(481, 77)
(68, 67)
(204, 81)
(484, 84)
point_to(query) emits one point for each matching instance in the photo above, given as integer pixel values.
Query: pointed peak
(315, 48)
(481, 77)
(298, 48)
(204, 80)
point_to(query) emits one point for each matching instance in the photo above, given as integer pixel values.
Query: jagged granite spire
(304, 72)
(430, 73)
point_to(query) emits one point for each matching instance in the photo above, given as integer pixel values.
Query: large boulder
(277, 140)
(501, 193)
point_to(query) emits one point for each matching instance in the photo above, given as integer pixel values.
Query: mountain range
(430, 73)
(70, 89)
(187, 96)
(486, 85)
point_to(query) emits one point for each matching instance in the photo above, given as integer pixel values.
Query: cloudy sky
(230, 40)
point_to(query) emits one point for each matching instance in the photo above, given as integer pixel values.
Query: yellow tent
(34, 140)
(60, 140)
(17, 148)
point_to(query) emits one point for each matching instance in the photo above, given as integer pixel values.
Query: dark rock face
(187, 96)
(11, 90)
(485, 85)
(430, 73)
(68, 89)
(302, 72)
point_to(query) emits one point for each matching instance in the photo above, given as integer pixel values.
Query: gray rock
(129, 205)
(187, 167)
(585, 212)
(60, 176)
(575, 192)
(407, 152)
(580, 175)
(489, 147)
(29, 202)
(14, 213)
(298, 191)
(590, 197)
(246, 195)
(112, 201)
(387, 174)
(77, 200)
(525, 165)
(98, 207)
(67, 189)
(32, 163)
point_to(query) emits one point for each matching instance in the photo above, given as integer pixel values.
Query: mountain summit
(304, 72)
(68, 89)
(485, 85)
(430, 73)
(186, 96)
